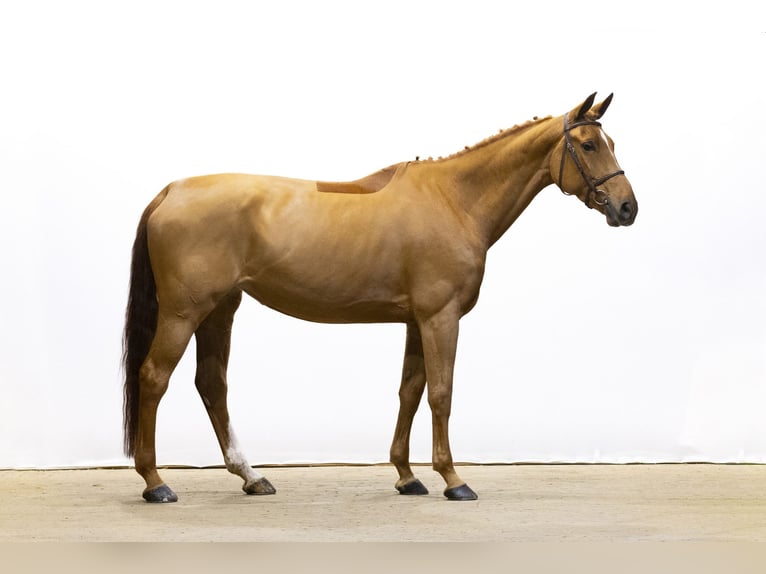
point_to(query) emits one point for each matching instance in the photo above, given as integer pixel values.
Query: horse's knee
(440, 401)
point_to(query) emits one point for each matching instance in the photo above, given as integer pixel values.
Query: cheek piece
(595, 196)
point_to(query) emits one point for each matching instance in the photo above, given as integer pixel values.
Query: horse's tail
(140, 325)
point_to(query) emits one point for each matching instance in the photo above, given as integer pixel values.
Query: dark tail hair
(140, 325)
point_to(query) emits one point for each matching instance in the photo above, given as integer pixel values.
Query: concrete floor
(538, 503)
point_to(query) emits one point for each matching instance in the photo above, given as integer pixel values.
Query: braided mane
(492, 139)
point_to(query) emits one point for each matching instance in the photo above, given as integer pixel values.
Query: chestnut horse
(406, 244)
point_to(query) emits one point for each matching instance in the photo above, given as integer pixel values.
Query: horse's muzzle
(622, 217)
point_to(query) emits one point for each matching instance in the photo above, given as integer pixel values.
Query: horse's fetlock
(399, 456)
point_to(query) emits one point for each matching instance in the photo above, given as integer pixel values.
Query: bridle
(592, 183)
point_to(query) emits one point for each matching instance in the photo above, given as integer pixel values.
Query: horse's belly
(335, 261)
(328, 303)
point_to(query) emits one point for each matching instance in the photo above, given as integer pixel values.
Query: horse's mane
(378, 180)
(503, 133)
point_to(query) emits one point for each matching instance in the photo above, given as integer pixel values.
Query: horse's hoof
(462, 492)
(260, 486)
(412, 487)
(161, 493)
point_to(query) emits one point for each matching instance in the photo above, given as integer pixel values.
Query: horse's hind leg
(169, 343)
(213, 343)
(410, 393)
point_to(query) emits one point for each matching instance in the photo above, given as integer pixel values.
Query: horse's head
(584, 165)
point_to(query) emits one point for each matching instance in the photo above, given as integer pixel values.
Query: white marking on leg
(236, 463)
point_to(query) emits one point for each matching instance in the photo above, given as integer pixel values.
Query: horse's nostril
(626, 211)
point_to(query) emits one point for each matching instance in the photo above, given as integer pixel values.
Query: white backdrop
(588, 343)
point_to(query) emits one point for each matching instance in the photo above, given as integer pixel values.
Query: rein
(591, 182)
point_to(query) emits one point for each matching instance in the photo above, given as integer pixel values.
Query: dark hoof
(413, 487)
(161, 493)
(462, 492)
(260, 486)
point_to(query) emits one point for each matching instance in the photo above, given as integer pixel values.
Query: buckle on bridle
(595, 195)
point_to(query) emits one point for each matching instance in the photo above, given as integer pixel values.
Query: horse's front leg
(410, 393)
(439, 337)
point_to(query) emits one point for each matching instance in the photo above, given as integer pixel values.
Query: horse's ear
(584, 107)
(599, 109)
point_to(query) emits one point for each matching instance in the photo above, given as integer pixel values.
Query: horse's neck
(497, 179)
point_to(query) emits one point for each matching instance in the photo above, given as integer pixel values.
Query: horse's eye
(589, 146)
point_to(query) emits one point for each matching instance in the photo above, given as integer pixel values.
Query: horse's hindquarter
(329, 257)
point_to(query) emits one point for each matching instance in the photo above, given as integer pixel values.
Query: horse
(406, 244)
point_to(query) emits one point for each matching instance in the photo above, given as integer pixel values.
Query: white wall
(588, 343)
